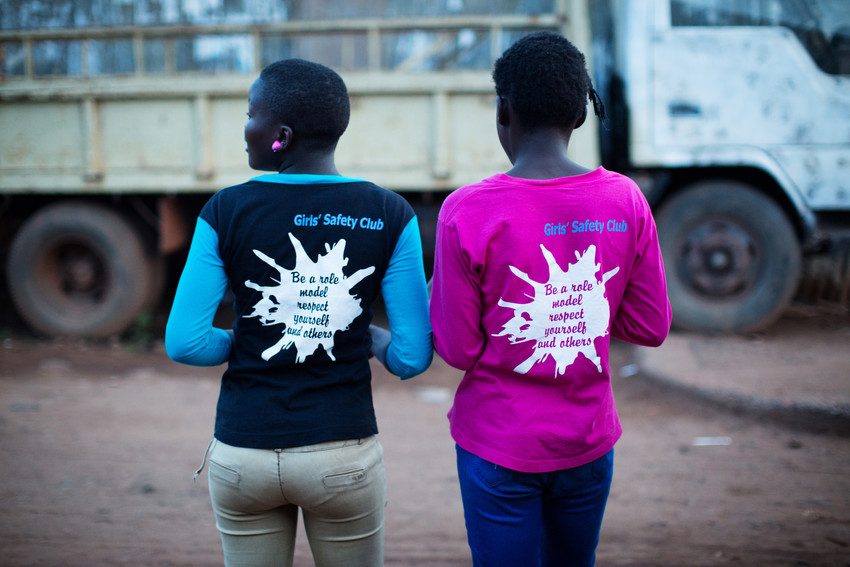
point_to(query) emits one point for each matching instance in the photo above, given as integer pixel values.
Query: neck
(315, 163)
(542, 154)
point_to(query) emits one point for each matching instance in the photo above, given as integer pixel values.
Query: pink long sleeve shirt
(532, 278)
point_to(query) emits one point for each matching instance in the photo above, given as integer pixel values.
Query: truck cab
(734, 117)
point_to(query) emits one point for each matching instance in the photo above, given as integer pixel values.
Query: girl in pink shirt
(535, 271)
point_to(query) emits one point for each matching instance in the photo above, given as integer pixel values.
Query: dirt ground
(98, 444)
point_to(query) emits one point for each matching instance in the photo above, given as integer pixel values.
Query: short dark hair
(544, 79)
(308, 97)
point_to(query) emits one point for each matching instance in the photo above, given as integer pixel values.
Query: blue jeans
(533, 519)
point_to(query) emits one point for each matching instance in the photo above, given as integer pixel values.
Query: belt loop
(204, 461)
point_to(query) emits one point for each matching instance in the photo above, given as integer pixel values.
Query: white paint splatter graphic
(312, 301)
(565, 314)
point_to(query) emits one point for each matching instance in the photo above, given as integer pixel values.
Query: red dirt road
(98, 445)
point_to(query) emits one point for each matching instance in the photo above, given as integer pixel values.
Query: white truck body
(737, 96)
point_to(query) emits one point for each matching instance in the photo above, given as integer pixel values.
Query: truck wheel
(732, 259)
(78, 270)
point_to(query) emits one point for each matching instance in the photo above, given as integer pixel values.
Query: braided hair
(545, 80)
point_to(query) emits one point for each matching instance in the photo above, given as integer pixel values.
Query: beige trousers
(340, 487)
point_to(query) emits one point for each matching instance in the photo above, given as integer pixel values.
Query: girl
(305, 251)
(535, 270)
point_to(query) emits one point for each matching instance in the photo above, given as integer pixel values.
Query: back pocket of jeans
(345, 479)
(224, 474)
(491, 474)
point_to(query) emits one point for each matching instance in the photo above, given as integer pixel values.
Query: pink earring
(277, 146)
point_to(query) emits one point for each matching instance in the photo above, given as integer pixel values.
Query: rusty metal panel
(148, 136)
(822, 173)
(39, 136)
(227, 122)
(474, 147)
(372, 146)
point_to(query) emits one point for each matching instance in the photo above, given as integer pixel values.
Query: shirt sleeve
(645, 315)
(406, 300)
(190, 337)
(455, 302)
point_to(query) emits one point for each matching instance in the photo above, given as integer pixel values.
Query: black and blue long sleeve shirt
(305, 257)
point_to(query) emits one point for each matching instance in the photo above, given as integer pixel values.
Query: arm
(455, 302)
(644, 315)
(190, 337)
(380, 342)
(406, 350)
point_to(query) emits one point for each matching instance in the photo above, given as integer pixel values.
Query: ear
(284, 136)
(581, 118)
(502, 112)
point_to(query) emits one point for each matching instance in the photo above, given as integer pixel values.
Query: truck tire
(79, 270)
(732, 258)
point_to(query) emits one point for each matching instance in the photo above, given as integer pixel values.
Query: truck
(734, 118)
(118, 119)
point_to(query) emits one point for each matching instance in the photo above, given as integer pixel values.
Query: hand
(380, 342)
